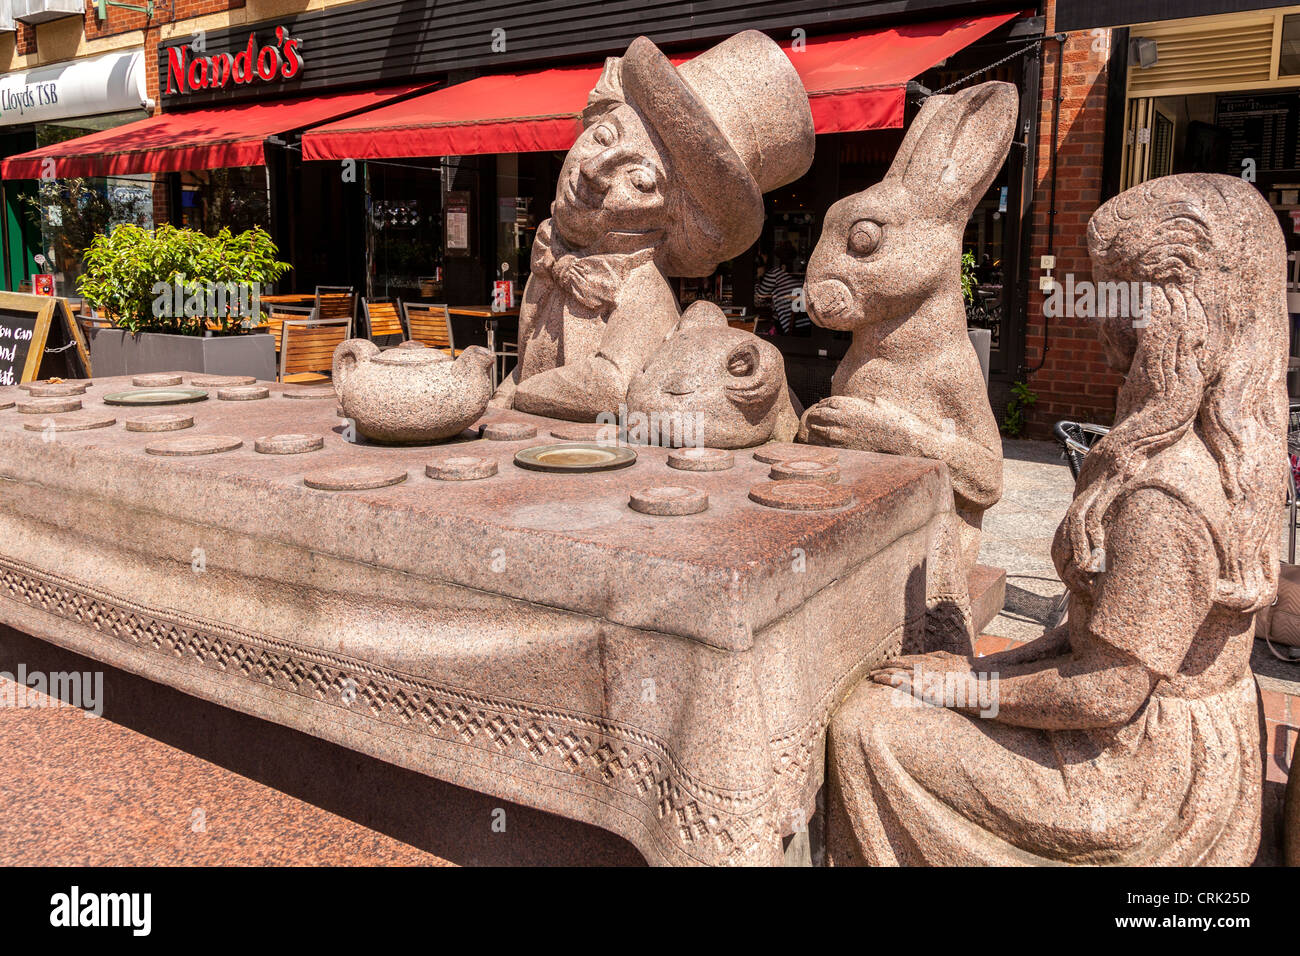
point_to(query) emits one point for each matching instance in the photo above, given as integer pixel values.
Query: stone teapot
(411, 394)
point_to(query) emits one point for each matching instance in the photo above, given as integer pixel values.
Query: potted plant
(181, 300)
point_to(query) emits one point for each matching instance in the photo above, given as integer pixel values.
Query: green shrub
(1013, 420)
(126, 268)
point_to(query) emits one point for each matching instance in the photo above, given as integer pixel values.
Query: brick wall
(1073, 382)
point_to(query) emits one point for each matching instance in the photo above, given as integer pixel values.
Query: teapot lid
(409, 357)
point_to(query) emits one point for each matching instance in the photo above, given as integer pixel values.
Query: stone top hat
(734, 122)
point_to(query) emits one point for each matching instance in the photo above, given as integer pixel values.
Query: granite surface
(526, 635)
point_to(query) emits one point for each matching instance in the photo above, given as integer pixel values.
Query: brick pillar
(1074, 381)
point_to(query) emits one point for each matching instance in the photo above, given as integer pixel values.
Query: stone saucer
(701, 459)
(48, 406)
(243, 393)
(508, 431)
(194, 445)
(288, 444)
(461, 468)
(670, 500)
(785, 451)
(804, 469)
(355, 478)
(72, 423)
(156, 380)
(162, 422)
(799, 495)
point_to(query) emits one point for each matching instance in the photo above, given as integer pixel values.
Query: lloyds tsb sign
(189, 71)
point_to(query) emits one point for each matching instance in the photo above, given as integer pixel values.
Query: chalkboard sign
(39, 339)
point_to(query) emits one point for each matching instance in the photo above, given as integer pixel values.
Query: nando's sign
(189, 71)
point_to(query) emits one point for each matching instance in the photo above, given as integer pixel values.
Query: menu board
(1261, 127)
(456, 228)
(38, 339)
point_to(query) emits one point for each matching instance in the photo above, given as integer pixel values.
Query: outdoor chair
(337, 302)
(277, 315)
(1076, 438)
(383, 318)
(430, 324)
(307, 348)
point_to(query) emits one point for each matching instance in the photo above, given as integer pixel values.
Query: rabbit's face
(869, 265)
(612, 181)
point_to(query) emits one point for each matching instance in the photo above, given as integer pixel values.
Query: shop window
(404, 230)
(235, 198)
(71, 212)
(1288, 61)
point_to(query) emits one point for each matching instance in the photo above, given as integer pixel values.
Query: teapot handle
(347, 356)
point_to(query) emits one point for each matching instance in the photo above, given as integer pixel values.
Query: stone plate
(72, 423)
(799, 495)
(785, 451)
(701, 459)
(355, 478)
(54, 389)
(508, 431)
(49, 406)
(194, 445)
(575, 457)
(669, 500)
(164, 422)
(156, 396)
(243, 393)
(221, 381)
(461, 468)
(156, 380)
(288, 444)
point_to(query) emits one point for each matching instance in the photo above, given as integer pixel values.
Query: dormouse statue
(667, 179)
(729, 381)
(888, 268)
(1130, 735)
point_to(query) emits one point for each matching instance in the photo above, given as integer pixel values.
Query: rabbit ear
(963, 143)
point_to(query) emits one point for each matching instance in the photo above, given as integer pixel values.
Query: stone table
(526, 635)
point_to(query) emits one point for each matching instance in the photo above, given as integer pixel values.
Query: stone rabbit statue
(888, 268)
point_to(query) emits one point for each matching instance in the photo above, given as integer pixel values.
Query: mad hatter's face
(613, 182)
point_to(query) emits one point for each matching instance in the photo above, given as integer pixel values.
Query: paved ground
(165, 779)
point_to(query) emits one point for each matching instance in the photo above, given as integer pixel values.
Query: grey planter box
(116, 352)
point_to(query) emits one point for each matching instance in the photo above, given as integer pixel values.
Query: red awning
(855, 81)
(199, 139)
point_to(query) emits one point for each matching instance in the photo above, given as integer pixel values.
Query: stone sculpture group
(1129, 734)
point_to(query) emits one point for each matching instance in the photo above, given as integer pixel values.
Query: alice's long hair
(1209, 354)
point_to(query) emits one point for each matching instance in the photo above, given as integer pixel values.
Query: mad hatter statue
(667, 179)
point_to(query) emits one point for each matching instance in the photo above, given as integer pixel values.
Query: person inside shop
(781, 289)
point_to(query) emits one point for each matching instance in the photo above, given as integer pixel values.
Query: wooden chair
(383, 318)
(430, 324)
(337, 302)
(277, 315)
(307, 348)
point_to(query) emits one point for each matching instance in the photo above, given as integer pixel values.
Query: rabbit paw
(844, 421)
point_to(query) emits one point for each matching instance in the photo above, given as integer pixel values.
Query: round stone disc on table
(669, 500)
(6, 403)
(194, 445)
(355, 478)
(162, 422)
(799, 495)
(72, 423)
(785, 451)
(317, 392)
(288, 444)
(509, 431)
(221, 381)
(49, 406)
(54, 389)
(585, 431)
(701, 459)
(243, 393)
(805, 469)
(155, 380)
(461, 468)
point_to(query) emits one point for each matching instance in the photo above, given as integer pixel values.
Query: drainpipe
(1051, 203)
